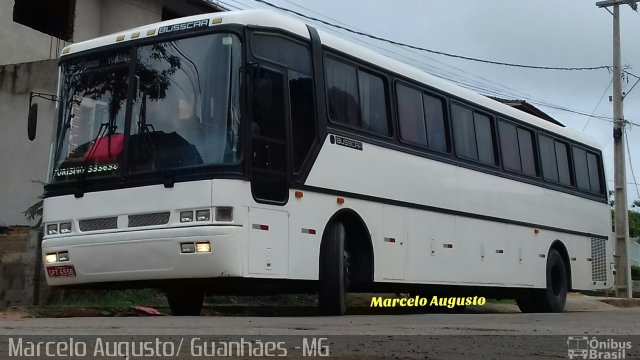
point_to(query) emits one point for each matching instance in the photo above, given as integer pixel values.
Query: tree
(634, 216)
(634, 220)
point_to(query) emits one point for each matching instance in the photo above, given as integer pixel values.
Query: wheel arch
(358, 243)
(559, 246)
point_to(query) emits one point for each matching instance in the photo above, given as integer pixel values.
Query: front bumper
(147, 255)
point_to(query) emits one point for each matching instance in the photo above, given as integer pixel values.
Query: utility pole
(623, 270)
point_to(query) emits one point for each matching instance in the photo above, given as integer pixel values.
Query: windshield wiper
(79, 192)
(143, 130)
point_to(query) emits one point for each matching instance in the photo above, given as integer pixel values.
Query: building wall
(21, 43)
(28, 62)
(118, 15)
(23, 164)
(88, 20)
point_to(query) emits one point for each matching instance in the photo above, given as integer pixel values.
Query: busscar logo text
(191, 25)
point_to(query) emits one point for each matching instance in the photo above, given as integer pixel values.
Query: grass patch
(116, 299)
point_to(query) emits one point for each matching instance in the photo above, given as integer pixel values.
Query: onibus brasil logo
(581, 347)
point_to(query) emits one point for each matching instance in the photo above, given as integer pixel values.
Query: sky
(567, 33)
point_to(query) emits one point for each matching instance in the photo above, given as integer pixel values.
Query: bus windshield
(184, 97)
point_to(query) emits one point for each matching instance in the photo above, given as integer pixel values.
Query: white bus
(247, 152)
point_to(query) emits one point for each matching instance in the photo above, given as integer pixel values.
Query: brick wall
(21, 272)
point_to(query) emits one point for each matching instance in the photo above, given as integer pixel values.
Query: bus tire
(333, 282)
(185, 302)
(554, 297)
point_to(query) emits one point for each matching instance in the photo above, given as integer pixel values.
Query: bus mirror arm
(32, 118)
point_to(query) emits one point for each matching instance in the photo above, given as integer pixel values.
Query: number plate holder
(61, 271)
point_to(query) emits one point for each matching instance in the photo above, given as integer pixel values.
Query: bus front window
(90, 134)
(185, 109)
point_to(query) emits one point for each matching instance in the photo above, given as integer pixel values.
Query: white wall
(118, 15)
(21, 161)
(87, 20)
(21, 43)
(24, 68)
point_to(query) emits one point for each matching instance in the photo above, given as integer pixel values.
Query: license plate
(61, 271)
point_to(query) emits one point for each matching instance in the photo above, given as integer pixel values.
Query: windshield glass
(185, 97)
(93, 99)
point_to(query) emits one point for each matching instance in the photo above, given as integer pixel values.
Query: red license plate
(61, 271)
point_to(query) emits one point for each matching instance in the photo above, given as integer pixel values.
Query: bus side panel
(524, 262)
(429, 256)
(482, 255)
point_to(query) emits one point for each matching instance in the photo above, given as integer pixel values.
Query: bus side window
(411, 115)
(373, 104)
(342, 92)
(303, 126)
(582, 169)
(473, 135)
(436, 127)
(587, 166)
(268, 127)
(421, 118)
(564, 172)
(296, 58)
(548, 159)
(554, 156)
(516, 147)
(594, 163)
(356, 98)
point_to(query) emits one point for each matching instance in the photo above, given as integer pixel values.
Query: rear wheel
(184, 302)
(554, 297)
(334, 272)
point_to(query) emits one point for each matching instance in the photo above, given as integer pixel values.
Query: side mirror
(32, 123)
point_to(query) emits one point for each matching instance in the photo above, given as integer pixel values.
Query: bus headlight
(186, 216)
(203, 247)
(52, 229)
(65, 228)
(203, 215)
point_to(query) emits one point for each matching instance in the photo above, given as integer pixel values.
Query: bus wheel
(185, 302)
(334, 272)
(554, 297)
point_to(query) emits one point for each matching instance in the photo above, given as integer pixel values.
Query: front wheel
(554, 297)
(334, 272)
(185, 302)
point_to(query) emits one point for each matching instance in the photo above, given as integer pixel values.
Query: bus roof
(268, 18)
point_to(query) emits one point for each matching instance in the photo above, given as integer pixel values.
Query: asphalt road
(616, 322)
(499, 334)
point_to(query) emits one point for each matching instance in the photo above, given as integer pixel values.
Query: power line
(231, 7)
(361, 33)
(468, 83)
(631, 163)
(596, 108)
(473, 85)
(628, 182)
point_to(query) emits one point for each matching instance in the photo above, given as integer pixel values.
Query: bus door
(269, 165)
(269, 223)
